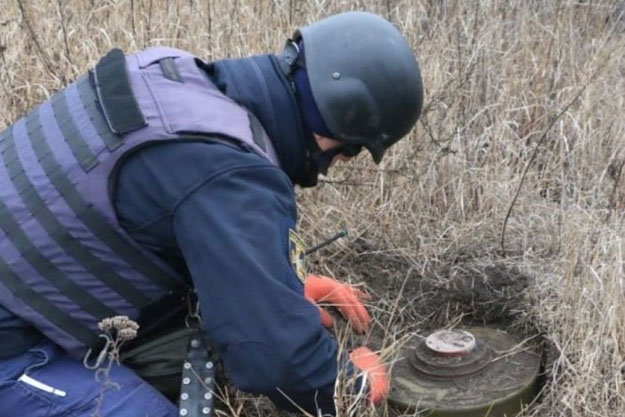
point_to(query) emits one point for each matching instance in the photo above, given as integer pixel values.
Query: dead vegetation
(504, 205)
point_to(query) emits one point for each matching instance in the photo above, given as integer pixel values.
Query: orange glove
(347, 299)
(370, 364)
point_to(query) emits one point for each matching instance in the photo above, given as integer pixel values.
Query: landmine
(475, 372)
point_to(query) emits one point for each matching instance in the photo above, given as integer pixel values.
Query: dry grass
(517, 161)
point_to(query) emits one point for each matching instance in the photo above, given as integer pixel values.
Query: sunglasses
(350, 150)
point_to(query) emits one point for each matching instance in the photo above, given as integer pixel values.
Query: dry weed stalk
(116, 331)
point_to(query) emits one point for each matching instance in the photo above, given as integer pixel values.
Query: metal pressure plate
(475, 372)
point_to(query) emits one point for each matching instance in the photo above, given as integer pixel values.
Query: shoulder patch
(297, 250)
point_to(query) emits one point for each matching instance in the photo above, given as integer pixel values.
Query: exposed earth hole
(468, 293)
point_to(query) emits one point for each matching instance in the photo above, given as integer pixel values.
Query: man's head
(357, 83)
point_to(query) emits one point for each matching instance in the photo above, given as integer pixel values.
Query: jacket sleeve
(232, 231)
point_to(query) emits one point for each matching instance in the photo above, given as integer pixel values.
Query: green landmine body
(477, 372)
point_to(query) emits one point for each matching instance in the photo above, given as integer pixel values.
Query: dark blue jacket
(227, 213)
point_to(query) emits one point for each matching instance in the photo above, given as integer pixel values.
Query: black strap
(72, 134)
(91, 217)
(257, 131)
(89, 100)
(115, 94)
(197, 387)
(170, 70)
(290, 58)
(198, 379)
(23, 244)
(41, 305)
(40, 210)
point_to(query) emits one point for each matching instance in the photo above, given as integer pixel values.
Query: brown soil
(466, 292)
(470, 290)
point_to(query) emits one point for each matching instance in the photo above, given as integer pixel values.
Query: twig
(346, 182)
(617, 180)
(42, 54)
(132, 19)
(117, 331)
(600, 67)
(149, 23)
(529, 163)
(209, 24)
(62, 17)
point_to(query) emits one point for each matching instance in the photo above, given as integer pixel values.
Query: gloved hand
(347, 299)
(371, 365)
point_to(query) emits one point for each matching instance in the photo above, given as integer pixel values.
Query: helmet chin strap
(320, 158)
(323, 159)
(318, 163)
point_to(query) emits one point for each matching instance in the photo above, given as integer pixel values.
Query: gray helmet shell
(364, 78)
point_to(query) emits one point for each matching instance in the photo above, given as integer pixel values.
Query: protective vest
(65, 262)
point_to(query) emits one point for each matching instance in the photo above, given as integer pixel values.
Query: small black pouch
(159, 361)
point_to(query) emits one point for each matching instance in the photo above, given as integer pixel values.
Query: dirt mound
(490, 294)
(477, 290)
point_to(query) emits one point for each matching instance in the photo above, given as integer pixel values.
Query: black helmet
(364, 78)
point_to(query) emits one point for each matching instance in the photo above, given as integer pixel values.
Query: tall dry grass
(517, 160)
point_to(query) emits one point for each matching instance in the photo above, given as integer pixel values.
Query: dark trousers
(45, 382)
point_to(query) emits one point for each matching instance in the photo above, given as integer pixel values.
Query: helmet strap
(318, 162)
(322, 159)
(289, 59)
